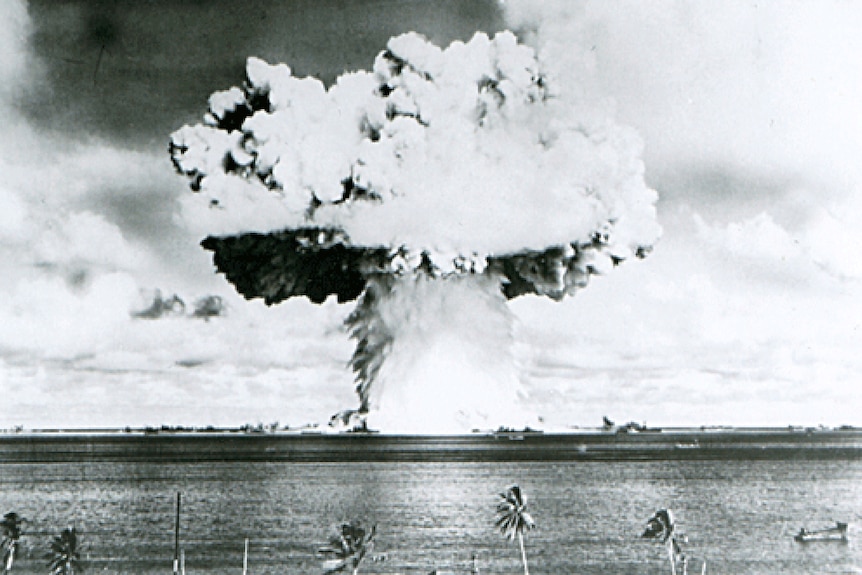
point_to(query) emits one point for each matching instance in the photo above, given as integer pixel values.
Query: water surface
(739, 515)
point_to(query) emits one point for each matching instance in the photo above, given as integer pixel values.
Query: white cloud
(255, 364)
(724, 324)
(16, 65)
(85, 238)
(47, 316)
(759, 85)
(834, 239)
(12, 218)
(824, 235)
(757, 249)
(758, 238)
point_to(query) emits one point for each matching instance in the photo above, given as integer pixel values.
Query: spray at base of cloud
(439, 354)
(465, 170)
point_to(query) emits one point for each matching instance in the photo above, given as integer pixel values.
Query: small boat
(837, 533)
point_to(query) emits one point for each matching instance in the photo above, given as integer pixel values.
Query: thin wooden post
(670, 555)
(245, 558)
(177, 538)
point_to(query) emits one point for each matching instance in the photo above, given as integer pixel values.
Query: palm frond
(660, 526)
(11, 526)
(512, 515)
(348, 546)
(64, 556)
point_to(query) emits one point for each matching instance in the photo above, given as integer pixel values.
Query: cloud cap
(448, 158)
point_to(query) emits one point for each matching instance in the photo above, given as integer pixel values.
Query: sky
(747, 312)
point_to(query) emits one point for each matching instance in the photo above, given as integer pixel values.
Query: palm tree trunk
(670, 556)
(523, 553)
(10, 559)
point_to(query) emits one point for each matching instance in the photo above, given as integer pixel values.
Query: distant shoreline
(192, 446)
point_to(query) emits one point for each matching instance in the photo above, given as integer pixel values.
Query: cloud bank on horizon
(746, 311)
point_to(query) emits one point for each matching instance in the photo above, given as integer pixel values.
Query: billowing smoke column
(431, 189)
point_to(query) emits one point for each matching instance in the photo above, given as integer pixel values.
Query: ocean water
(740, 515)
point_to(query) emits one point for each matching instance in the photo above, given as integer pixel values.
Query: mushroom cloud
(430, 189)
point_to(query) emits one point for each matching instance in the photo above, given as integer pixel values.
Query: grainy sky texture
(746, 313)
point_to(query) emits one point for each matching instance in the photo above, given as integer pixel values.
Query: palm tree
(65, 558)
(661, 527)
(513, 519)
(11, 529)
(347, 547)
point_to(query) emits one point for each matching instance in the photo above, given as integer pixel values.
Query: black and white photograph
(414, 287)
